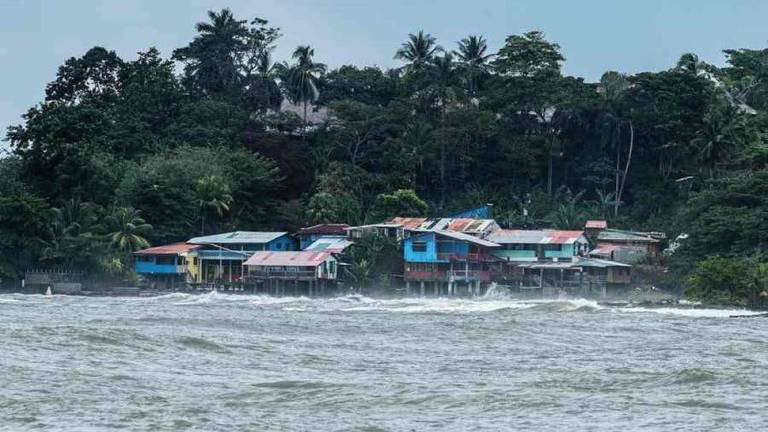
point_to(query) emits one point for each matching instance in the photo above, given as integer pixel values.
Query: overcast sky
(36, 36)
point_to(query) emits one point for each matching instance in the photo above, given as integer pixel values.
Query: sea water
(219, 362)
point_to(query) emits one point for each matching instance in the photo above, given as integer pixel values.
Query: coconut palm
(473, 60)
(720, 136)
(418, 51)
(301, 79)
(127, 230)
(211, 57)
(212, 194)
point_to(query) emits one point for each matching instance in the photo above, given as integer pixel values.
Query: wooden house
(168, 266)
(221, 256)
(447, 261)
(300, 271)
(627, 246)
(517, 246)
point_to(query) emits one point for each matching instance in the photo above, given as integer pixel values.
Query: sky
(36, 36)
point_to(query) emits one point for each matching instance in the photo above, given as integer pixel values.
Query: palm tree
(264, 87)
(212, 194)
(302, 78)
(211, 56)
(473, 59)
(418, 51)
(127, 233)
(721, 134)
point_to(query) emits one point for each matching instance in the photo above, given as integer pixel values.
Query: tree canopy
(206, 146)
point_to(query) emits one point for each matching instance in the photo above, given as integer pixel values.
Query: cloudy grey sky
(36, 36)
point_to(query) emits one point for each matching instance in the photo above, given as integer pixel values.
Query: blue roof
(238, 237)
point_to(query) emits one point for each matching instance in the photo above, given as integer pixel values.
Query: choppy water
(229, 363)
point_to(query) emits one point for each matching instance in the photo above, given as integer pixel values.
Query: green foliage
(726, 281)
(683, 150)
(372, 260)
(402, 202)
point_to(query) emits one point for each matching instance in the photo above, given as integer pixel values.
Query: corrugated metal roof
(535, 236)
(579, 263)
(465, 225)
(621, 235)
(289, 259)
(604, 250)
(328, 229)
(335, 245)
(464, 237)
(237, 237)
(408, 222)
(169, 249)
(596, 224)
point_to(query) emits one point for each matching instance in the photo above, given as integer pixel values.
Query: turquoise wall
(430, 255)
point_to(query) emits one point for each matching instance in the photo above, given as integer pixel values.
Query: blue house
(222, 255)
(445, 259)
(309, 235)
(167, 266)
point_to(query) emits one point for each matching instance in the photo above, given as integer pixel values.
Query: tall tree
(418, 51)
(473, 60)
(302, 79)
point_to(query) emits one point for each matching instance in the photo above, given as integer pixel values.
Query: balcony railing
(471, 257)
(282, 274)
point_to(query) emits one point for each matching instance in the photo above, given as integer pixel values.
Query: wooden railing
(281, 274)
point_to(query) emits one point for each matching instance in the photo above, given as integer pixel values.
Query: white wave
(694, 312)
(212, 297)
(8, 300)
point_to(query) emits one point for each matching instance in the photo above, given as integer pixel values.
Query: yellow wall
(192, 268)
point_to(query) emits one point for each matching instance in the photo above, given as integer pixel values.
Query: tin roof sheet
(622, 235)
(330, 244)
(327, 229)
(535, 236)
(597, 224)
(169, 249)
(238, 237)
(289, 259)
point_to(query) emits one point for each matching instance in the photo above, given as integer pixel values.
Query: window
(333, 266)
(419, 246)
(551, 247)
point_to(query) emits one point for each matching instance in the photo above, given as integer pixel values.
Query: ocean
(217, 362)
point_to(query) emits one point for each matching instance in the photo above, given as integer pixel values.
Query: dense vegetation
(124, 152)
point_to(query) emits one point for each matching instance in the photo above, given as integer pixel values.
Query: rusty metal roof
(535, 237)
(464, 225)
(408, 222)
(169, 249)
(288, 259)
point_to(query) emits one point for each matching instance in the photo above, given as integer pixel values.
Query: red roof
(327, 229)
(169, 249)
(291, 259)
(597, 224)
